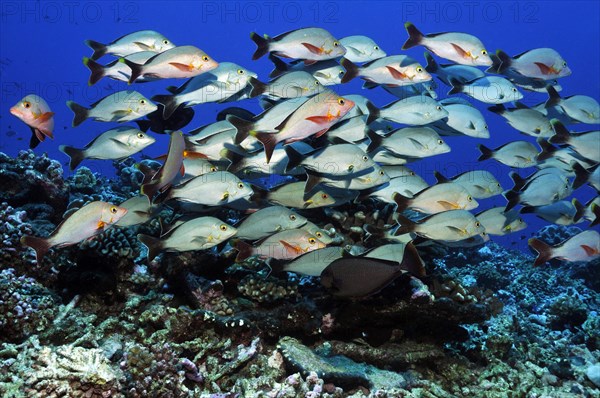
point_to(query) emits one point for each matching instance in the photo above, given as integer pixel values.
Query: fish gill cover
(299, 199)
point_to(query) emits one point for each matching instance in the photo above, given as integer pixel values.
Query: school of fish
(320, 149)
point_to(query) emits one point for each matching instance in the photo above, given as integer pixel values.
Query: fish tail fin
(81, 112)
(243, 127)
(244, 250)
(136, 69)
(486, 153)
(169, 103)
(406, 226)
(294, 158)
(259, 196)
(518, 181)
(374, 112)
(579, 210)
(280, 66)
(547, 150)
(97, 70)
(99, 49)
(351, 70)
(234, 159)
(40, 245)
(376, 140)
(269, 140)
(402, 202)
(513, 198)
(581, 175)
(596, 212)
(432, 66)
(75, 155)
(144, 125)
(258, 87)
(415, 37)
(457, 86)
(411, 261)
(553, 97)
(543, 249)
(500, 62)
(154, 245)
(561, 133)
(498, 109)
(312, 180)
(262, 45)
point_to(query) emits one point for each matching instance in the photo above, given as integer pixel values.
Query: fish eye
(205, 58)
(470, 199)
(365, 158)
(483, 233)
(514, 90)
(240, 185)
(381, 172)
(113, 209)
(439, 108)
(319, 234)
(498, 185)
(336, 44)
(312, 241)
(419, 69)
(440, 142)
(27, 104)
(293, 217)
(342, 73)
(240, 71)
(223, 227)
(477, 224)
(484, 52)
(317, 83)
(341, 101)
(412, 173)
(143, 101)
(565, 63)
(213, 169)
(140, 135)
(485, 127)
(376, 48)
(324, 196)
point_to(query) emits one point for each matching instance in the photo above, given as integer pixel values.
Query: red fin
(45, 116)
(545, 69)
(396, 74)
(182, 170)
(543, 249)
(194, 155)
(590, 251)
(295, 248)
(182, 67)
(319, 119)
(460, 51)
(40, 245)
(313, 49)
(320, 133)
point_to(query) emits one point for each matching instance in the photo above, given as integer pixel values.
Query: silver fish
(143, 40)
(497, 221)
(437, 198)
(563, 212)
(414, 111)
(114, 144)
(122, 106)
(450, 226)
(361, 49)
(488, 89)
(520, 154)
(268, 221)
(524, 119)
(212, 189)
(584, 246)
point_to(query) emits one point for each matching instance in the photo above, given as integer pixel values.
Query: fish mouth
(15, 112)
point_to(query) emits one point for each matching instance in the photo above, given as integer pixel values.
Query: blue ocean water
(42, 45)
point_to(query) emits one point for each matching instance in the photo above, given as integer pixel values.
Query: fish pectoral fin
(461, 51)
(460, 231)
(396, 74)
(143, 46)
(122, 112)
(116, 141)
(448, 205)
(313, 49)
(545, 69)
(417, 143)
(320, 119)
(45, 116)
(590, 251)
(101, 224)
(182, 67)
(225, 196)
(295, 248)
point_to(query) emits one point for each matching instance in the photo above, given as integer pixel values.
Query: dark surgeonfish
(364, 276)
